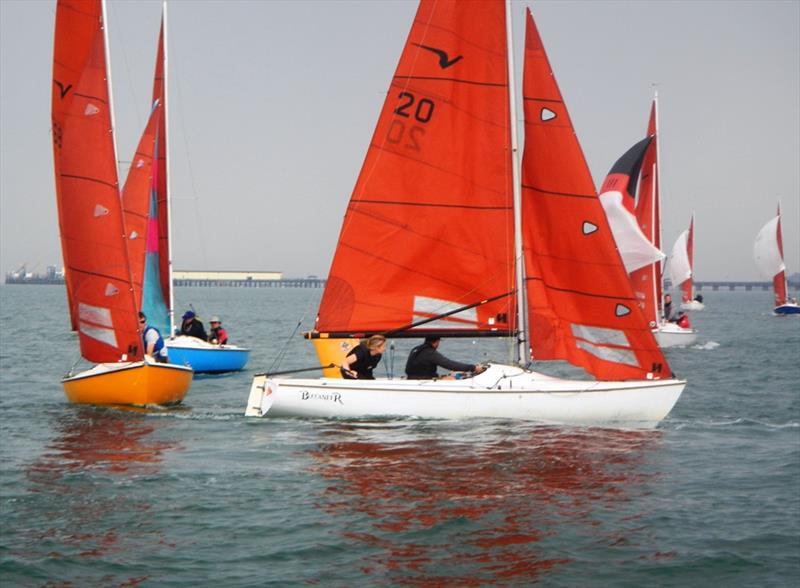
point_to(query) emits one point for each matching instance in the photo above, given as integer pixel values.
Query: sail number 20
(419, 111)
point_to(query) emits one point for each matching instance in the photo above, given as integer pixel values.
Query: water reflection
(92, 499)
(471, 506)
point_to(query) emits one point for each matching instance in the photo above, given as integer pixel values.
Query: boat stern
(261, 396)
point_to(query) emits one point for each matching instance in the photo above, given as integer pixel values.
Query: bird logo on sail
(444, 59)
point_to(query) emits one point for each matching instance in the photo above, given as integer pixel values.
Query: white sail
(679, 268)
(635, 249)
(768, 256)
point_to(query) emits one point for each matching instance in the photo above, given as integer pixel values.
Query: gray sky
(273, 104)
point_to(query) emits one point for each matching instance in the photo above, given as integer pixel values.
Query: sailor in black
(362, 359)
(423, 360)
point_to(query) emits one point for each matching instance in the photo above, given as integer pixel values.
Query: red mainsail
(101, 299)
(429, 227)
(779, 280)
(580, 301)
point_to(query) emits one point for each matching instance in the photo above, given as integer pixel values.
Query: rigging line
(282, 352)
(194, 197)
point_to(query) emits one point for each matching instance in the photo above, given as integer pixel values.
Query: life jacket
(159, 343)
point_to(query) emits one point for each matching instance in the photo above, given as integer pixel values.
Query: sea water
(201, 496)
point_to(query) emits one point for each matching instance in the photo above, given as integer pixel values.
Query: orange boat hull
(137, 383)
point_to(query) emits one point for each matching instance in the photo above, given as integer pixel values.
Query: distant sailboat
(768, 251)
(202, 356)
(681, 269)
(101, 249)
(636, 224)
(442, 237)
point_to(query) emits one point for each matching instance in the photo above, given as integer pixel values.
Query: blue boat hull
(210, 361)
(787, 309)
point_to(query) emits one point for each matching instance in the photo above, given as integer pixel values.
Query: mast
(171, 300)
(522, 319)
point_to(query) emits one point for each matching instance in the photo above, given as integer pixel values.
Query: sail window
(425, 307)
(601, 335)
(609, 353)
(106, 336)
(100, 210)
(95, 314)
(91, 110)
(589, 228)
(547, 115)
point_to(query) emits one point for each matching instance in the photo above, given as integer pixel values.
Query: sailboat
(103, 252)
(768, 251)
(202, 356)
(636, 224)
(442, 236)
(681, 269)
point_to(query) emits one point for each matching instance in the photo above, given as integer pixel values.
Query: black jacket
(364, 363)
(423, 360)
(194, 329)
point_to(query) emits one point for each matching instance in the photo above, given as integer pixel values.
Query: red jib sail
(136, 199)
(101, 299)
(580, 302)
(429, 227)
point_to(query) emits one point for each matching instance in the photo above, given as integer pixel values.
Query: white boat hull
(692, 305)
(504, 392)
(671, 335)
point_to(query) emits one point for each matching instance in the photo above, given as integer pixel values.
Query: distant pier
(281, 283)
(227, 279)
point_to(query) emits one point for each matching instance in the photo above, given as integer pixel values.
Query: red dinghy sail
(102, 304)
(429, 227)
(160, 96)
(647, 281)
(687, 288)
(136, 197)
(580, 301)
(779, 280)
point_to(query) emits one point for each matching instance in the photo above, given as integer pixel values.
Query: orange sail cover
(101, 299)
(429, 226)
(580, 301)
